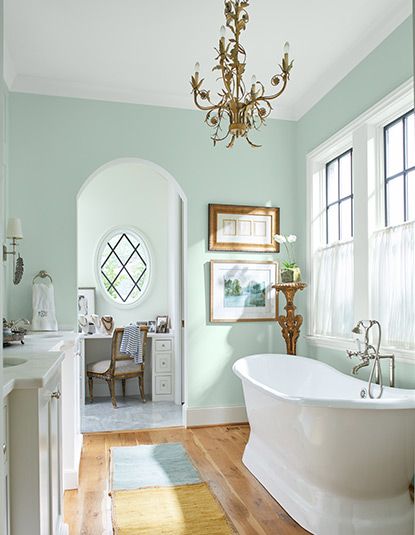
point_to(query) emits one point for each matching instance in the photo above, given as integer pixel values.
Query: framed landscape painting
(242, 291)
(243, 228)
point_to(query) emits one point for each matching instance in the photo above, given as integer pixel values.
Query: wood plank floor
(217, 453)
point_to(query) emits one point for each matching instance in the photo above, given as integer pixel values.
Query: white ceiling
(144, 50)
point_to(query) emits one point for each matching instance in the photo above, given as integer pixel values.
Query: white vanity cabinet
(6, 479)
(162, 363)
(35, 459)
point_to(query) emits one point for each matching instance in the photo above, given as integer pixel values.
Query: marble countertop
(43, 352)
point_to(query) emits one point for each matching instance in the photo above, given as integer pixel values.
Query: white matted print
(243, 228)
(242, 291)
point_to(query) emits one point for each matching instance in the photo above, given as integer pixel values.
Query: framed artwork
(243, 228)
(242, 291)
(162, 324)
(86, 301)
(151, 326)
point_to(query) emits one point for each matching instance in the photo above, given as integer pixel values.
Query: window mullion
(360, 165)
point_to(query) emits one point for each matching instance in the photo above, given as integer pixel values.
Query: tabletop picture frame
(243, 228)
(242, 290)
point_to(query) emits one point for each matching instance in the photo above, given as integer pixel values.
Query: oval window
(124, 266)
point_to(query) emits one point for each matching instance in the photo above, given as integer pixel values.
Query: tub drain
(363, 393)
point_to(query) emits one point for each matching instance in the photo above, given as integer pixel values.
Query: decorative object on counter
(83, 323)
(290, 272)
(14, 331)
(242, 291)
(291, 322)
(86, 301)
(243, 228)
(151, 326)
(162, 324)
(43, 303)
(14, 232)
(96, 320)
(107, 323)
(243, 107)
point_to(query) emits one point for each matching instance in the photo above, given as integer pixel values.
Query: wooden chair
(120, 367)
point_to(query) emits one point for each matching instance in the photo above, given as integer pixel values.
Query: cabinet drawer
(163, 345)
(163, 362)
(163, 384)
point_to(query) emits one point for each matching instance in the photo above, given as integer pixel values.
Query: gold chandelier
(241, 109)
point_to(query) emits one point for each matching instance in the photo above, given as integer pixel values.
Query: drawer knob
(4, 448)
(56, 394)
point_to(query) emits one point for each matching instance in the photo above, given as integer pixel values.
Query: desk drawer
(163, 345)
(163, 384)
(163, 362)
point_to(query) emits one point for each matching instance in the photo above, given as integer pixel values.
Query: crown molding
(350, 59)
(63, 88)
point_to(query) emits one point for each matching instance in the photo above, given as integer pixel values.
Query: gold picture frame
(242, 290)
(243, 228)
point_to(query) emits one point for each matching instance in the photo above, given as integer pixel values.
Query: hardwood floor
(217, 453)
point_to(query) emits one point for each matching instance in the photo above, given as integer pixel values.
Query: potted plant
(290, 272)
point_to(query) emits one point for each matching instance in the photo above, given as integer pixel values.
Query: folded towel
(131, 343)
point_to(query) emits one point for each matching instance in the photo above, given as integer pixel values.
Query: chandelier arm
(201, 106)
(272, 97)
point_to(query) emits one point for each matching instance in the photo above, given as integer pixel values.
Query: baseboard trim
(71, 475)
(195, 417)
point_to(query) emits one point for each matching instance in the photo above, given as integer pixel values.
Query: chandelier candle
(238, 110)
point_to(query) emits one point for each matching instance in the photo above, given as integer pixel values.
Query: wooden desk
(158, 369)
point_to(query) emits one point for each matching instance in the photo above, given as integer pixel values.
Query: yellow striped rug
(181, 510)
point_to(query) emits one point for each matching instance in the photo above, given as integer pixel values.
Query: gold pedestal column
(291, 322)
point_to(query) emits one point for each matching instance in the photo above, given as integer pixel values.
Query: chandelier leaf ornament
(239, 109)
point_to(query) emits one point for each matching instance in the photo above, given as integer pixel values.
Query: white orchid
(287, 241)
(279, 238)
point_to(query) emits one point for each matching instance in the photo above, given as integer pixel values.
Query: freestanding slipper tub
(338, 464)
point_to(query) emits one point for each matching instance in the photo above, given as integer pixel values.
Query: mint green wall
(388, 66)
(56, 143)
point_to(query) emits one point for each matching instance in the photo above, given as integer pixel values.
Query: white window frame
(365, 136)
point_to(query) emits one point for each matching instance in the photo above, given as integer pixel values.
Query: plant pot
(287, 275)
(291, 275)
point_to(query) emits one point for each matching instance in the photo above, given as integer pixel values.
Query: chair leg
(111, 386)
(141, 387)
(91, 389)
(123, 387)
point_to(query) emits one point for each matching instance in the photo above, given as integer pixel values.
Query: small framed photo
(243, 228)
(86, 302)
(162, 324)
(242, 291)
(151, 326)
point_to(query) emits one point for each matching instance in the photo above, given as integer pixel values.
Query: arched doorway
(138, 198)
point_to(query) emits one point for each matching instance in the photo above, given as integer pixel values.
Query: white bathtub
(337, 463)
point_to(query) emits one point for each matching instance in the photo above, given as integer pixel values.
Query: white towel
(131, 343)
(43, 304)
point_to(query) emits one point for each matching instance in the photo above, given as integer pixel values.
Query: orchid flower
(288, 242)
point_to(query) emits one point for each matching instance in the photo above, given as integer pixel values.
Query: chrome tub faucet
(370, 352)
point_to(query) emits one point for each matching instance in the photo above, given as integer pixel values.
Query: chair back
(116, 355)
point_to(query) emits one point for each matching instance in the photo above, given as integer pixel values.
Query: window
(124, 266)
(399, 150)
(339, 198)
(362, 231)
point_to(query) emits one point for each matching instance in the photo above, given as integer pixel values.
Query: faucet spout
(356, 368)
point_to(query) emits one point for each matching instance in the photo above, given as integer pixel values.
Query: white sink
(13, 361)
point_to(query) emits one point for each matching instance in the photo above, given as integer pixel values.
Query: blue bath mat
(159, 465)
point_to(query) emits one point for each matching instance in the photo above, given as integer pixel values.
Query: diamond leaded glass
(124, 267)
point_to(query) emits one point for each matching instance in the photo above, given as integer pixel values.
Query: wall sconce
(14, 232)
